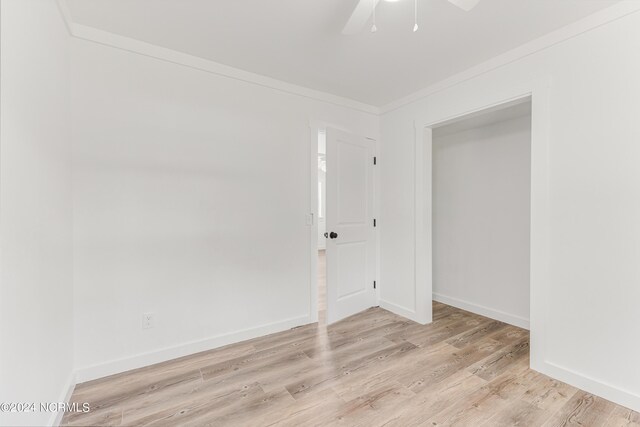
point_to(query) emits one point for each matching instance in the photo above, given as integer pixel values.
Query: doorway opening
(344, 251)
(481, 213)
(322, 227)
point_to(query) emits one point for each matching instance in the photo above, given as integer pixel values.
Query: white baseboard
(65, 396)
(145, 359)
(399, 310)
(584, 382)
(511, 319)
(590, 385)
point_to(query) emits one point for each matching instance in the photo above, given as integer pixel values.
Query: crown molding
(598, 19)
(169, 55)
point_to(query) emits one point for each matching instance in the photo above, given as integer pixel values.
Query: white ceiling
(300, 41)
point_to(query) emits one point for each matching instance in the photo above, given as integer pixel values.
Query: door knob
(326, 235)
(333, 235)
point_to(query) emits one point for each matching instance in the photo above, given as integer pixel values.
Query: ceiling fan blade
(359, 17)
(466, 5)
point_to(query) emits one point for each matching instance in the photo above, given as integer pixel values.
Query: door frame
(539, 260)
(312, 145)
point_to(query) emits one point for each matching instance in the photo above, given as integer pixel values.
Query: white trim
(598, 19)
(591, 385)
(65, 396)
(422, 235)
(128, 44)
(511, 319)
(89, 373)
(540, 221)
(312, 144)
(376, 215)
(423, 251)
(399, 310)
(538, 92)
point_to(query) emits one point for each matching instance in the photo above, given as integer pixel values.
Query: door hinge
(375, 160)
(374, 222)
(374, 284)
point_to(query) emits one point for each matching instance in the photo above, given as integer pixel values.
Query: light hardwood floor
(372, 369)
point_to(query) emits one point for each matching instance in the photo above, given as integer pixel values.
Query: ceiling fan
(365, 8)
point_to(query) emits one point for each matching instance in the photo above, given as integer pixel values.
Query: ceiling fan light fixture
(365, 8)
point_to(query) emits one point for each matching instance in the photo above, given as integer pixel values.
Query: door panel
(352, 265)
(351, 254)
(352, 180)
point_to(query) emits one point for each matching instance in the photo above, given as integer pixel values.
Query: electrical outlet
(147, 320)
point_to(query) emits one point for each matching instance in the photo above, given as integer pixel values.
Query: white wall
(36, 323)
(594, 97)
(481, 209)
(190, 197)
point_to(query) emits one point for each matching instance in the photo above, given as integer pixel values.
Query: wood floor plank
(440, 331)
(496, 363)
(584, 409)
(623, 417)
(311, 410)
(431, 401)
(127, 381)
(370, 407)
(336, 341)
(475, 334)
(510, 334)
(548, 394)
(203, 401)
(109, 417)
(252, 409)
(258, 358)
(326, 378)
(321, 371)
(436, 369)
(518, 413)
(104, 398)
(477, 407)
(264, 371)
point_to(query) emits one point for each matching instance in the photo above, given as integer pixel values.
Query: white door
(349, 221)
